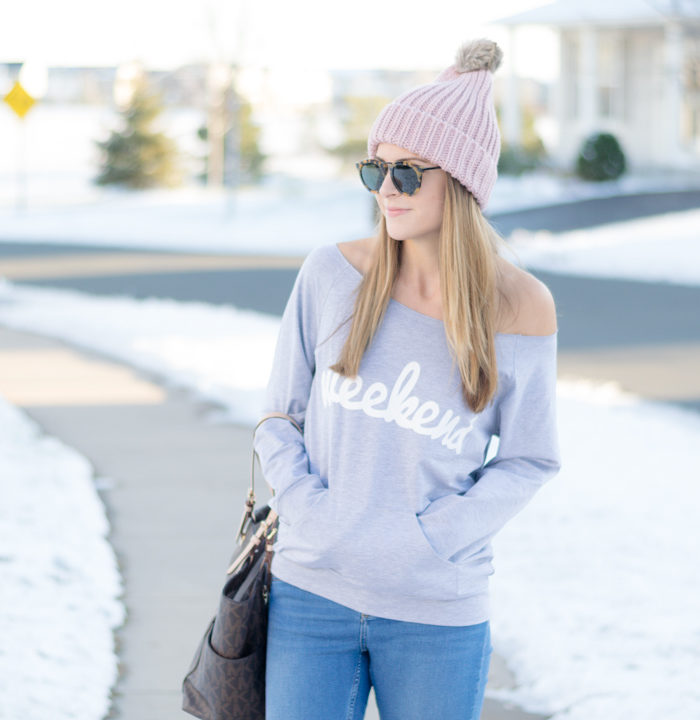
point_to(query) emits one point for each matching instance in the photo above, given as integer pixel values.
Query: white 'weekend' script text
(401, 407)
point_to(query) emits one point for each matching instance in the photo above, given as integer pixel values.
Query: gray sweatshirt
(386, 503)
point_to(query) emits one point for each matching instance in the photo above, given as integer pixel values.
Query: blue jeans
(322, 659)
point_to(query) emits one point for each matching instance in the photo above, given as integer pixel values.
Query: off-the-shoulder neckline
(434, 320)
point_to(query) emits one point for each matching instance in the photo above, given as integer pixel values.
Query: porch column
(588, 81)
(560, 98)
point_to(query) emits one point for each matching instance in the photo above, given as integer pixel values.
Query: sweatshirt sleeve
(459, 525)
(278, 443)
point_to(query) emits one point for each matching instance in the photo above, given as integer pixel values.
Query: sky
(313, 34)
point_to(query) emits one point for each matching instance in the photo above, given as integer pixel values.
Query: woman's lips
(394, 212)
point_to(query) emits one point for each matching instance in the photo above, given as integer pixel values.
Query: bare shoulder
(530, 307)
(358, 252)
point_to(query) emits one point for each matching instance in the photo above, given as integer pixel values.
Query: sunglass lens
(406, 179)
(372, 176)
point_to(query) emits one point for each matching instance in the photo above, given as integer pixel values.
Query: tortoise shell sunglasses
(406, 175)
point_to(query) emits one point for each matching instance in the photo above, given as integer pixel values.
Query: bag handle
(250, 500)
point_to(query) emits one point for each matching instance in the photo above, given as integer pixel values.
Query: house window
(607, 98)
(610, 72)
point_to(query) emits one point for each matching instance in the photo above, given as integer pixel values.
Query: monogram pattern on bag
(220, 688)
(226, 680)
(239, 625)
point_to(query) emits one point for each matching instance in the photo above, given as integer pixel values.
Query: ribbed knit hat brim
(450, 122)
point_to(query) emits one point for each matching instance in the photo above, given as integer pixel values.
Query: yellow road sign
(19, 100)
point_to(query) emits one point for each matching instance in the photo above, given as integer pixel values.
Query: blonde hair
(470, 289)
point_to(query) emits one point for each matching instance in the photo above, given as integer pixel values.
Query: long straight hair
(469, 286)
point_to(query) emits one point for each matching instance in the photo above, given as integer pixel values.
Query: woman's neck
(419, 270)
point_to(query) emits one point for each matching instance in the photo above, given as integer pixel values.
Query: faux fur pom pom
(480, 54)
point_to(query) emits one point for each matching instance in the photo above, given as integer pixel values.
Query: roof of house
(564, 13)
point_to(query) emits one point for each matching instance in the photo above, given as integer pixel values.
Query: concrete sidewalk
(173, 484)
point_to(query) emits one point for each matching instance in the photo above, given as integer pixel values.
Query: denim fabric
(323, 657)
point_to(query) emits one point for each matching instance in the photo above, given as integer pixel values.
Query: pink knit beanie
(452, 121)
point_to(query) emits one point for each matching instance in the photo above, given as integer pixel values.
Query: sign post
(21, 102)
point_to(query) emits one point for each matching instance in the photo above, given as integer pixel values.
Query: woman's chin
(397, 230)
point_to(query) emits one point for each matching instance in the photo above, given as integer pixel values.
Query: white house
(630, 67)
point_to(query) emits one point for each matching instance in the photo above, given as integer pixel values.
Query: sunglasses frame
(390, 167)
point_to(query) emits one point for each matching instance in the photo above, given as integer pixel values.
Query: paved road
(595, 211)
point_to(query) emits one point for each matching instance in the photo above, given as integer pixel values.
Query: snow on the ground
(223, 353)
(596, 582)
(59, 582)
(283, 216)
(663, 248)
(542, 188)
(293, 216)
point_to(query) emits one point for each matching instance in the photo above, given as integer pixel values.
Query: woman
(402, 355)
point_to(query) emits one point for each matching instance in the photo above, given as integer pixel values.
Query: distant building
(184, 87)
(630, 67)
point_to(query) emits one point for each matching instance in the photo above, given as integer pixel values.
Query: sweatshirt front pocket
(310, 540)
(386, 552)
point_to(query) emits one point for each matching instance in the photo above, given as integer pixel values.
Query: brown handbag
(226, 679)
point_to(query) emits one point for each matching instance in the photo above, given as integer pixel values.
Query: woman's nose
(388, 188)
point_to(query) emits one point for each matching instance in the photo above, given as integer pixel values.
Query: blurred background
(164, 170)
(228, 94)
(242, 91)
